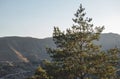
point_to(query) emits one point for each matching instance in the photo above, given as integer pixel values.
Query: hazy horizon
(36, 18)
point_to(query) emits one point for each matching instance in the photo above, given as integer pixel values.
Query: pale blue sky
(36, 18)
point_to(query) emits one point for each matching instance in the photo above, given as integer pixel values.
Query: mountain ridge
(19, 56)
(25, 49)
(31, 48)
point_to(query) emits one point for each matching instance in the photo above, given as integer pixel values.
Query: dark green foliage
(76, 56)
(40, 73)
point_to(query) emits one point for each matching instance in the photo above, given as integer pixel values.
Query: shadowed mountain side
(27, 49)
(109, 40)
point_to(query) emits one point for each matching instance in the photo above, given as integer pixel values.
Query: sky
(36, 18)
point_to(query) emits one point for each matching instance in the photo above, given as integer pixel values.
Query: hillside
(19, 56)
(25, 49)
(19, 49)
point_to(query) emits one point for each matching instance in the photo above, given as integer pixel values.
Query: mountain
(19, 56)
(26, 49)
(109, 40)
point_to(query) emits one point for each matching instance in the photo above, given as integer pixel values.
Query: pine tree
(76, 55)
(40, 73)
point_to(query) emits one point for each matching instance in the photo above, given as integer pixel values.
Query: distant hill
(109, 40)
(16, 51)
(25, 49)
